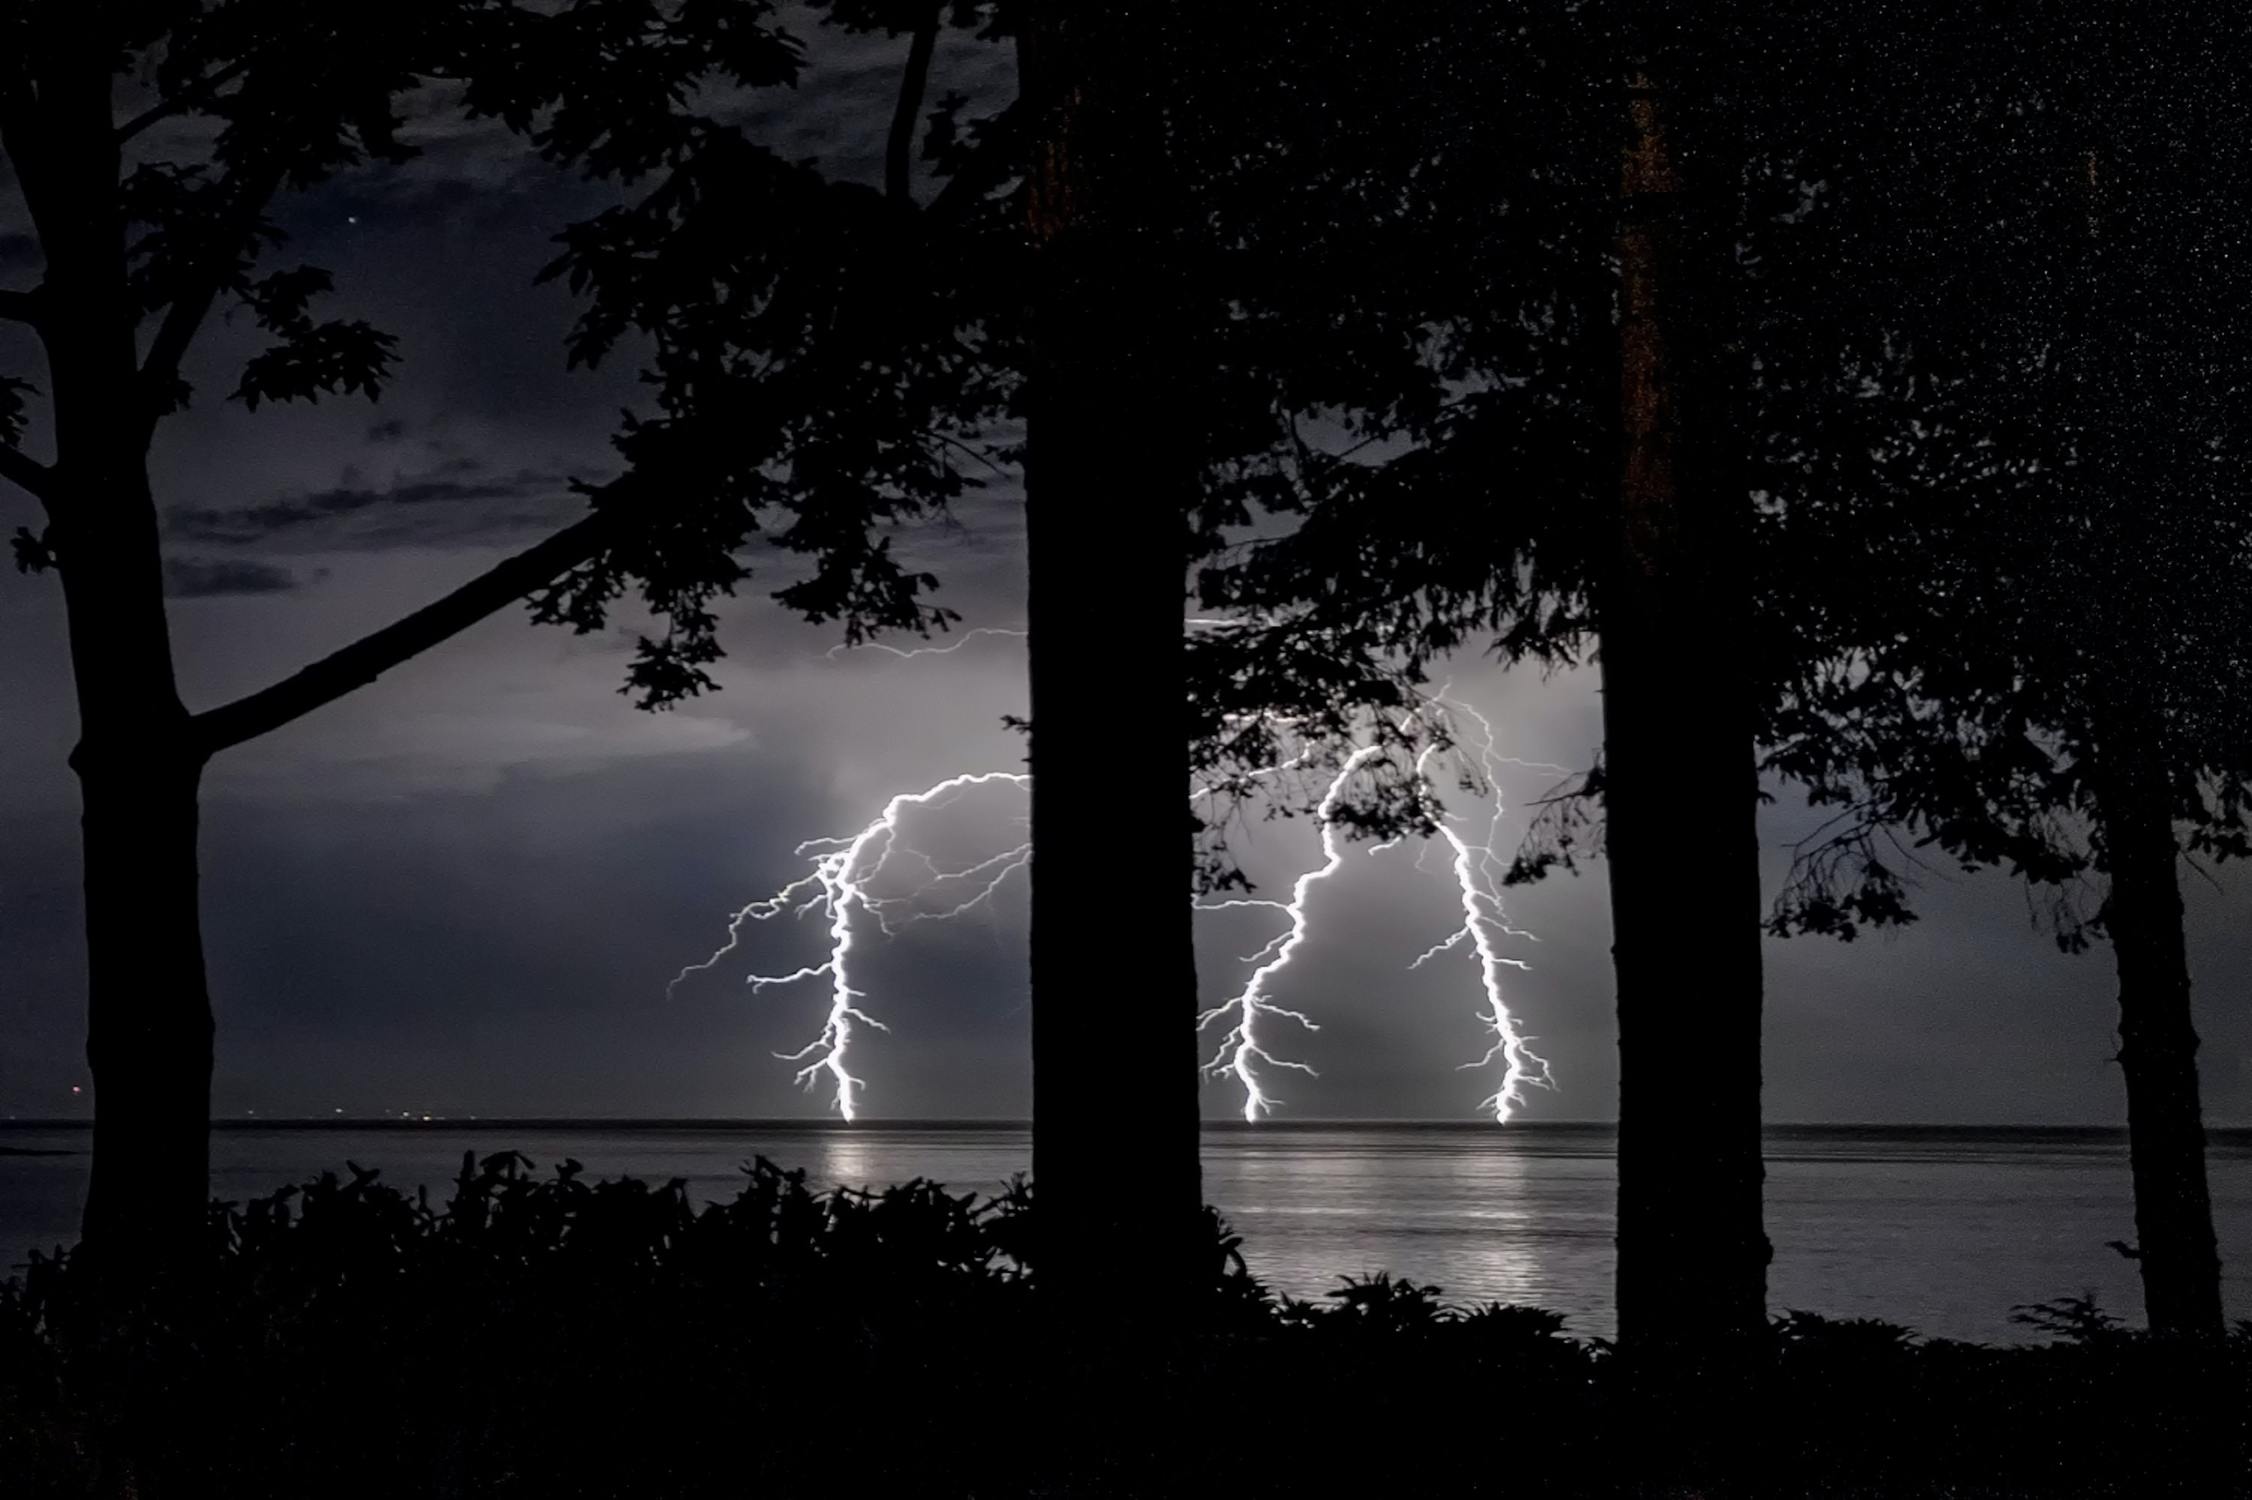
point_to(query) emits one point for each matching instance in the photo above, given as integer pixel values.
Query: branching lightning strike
(1476, 869)
(844, 870)
(1485, 924)
(843, 883)
(1240, 1046)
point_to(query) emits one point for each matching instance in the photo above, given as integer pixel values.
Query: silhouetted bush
(544, 1335)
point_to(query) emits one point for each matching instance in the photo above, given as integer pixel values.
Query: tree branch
(194, 93)
(193, 304)
(368, 658)
(27, 473)
(899, 147)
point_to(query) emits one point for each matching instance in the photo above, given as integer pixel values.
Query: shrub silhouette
(2075, 1319)
(545, 1334)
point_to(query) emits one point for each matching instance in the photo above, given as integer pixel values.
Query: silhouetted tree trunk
(148, 1011)
(1113, 972)
(149, 1024)
(2122, 326)
(1680, 836)
(2179, 1258)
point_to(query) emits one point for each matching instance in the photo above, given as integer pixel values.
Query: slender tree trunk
(2180, 1260)
(148, 1021)
(2119, 329)
(1681, 842)
(148, 1011)
(1114, 1113)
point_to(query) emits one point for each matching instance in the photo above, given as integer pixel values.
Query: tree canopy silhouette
(805, 370)
(2048, 600)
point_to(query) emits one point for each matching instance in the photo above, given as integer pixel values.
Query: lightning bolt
(1240, 1046)
(1485, 925)
(841, 883)
(1476, 868)
(909, 655)
(844, 883)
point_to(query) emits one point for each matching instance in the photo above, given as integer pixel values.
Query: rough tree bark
(1115, 1145)
(1680, 836)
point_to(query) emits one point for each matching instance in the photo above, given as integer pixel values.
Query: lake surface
(1941, 1228)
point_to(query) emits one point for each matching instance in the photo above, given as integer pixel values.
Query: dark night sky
(464, 889)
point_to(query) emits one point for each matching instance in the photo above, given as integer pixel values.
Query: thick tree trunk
(1115, 1147)
(2180, 1260)
(1680, 838)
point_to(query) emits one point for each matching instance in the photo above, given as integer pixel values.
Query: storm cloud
(208, 577)
(354, 513)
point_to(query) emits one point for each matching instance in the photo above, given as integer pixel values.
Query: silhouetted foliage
(2040, 534)
(542, 1334)
(2074, 1319)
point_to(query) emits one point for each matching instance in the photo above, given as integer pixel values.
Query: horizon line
(1001, 1123)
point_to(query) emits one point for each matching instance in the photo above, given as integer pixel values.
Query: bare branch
(27, 473)
(195, 93)
(368, 658)
(900, 146)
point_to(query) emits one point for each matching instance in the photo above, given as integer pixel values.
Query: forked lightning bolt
(1240, 1047)
(844, 869)
(843, 884)
(1485, 927)
(1485, 924)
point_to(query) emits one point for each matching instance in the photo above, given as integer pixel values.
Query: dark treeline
(1852, 384)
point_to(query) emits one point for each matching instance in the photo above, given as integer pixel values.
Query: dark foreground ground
(545, 1336)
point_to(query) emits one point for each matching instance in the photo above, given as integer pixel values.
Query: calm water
(1940, 1228)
